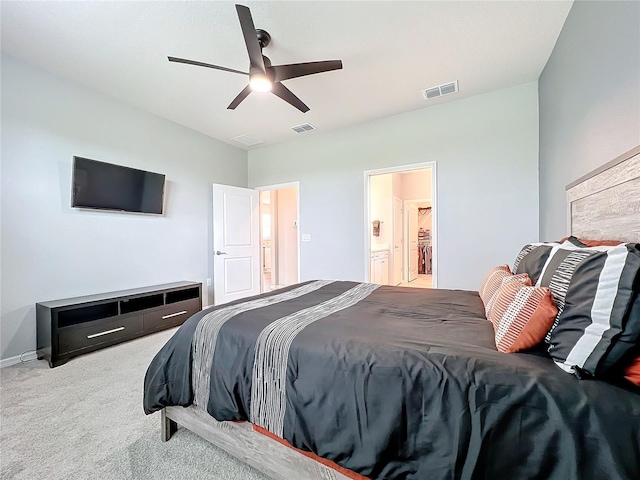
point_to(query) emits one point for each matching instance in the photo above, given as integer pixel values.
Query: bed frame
(602, 205)
(243, 442)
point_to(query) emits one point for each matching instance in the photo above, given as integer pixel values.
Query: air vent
(248, 140)
(305, 127)
(440, 90)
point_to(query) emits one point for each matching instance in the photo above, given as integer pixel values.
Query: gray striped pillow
(532, 258)
(593, 289)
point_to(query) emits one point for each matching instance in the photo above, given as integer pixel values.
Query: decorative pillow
(521, 316)
(593, 289)
(632, 371)
(492, 281)
(581, 242)
(532, 259)
(628, 342)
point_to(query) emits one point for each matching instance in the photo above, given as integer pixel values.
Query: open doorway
(401, 226)
(419, 224)
(279, 242)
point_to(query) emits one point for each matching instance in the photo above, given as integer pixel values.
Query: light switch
(306, 237)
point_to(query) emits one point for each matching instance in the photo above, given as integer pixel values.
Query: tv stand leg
(168, 426)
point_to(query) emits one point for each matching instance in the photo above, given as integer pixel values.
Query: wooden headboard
(605, 204)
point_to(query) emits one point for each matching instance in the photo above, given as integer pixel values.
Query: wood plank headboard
(605, 204)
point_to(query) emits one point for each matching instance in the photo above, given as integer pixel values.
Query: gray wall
(589, 101)
(52, 251)
(486, 149)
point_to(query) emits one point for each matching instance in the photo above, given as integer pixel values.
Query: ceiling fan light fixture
(260, 83)
(264, 77)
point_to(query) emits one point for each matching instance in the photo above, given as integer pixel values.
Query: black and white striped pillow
(594, 289)
(532, 258)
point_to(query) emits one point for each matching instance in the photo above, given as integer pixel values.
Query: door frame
(434, 218)
(281, 186)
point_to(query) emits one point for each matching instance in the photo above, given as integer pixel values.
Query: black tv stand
(74, 326)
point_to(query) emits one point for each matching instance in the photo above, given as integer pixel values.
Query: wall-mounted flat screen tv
(105, 186)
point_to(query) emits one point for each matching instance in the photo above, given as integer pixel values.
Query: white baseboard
(6, 362)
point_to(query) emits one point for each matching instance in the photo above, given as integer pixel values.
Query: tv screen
(106, 186)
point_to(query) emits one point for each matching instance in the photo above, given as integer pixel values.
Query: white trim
(434, 210)
(282, 186)
(407, 237)
(26, 357)
(278, 186)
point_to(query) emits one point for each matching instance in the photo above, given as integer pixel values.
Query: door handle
(218, 252)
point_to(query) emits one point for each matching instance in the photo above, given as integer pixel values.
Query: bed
(336, 380)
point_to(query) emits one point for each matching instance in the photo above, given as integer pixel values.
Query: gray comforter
(396, 383)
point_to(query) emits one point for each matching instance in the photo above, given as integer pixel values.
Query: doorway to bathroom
(279, 239)
(401, 226)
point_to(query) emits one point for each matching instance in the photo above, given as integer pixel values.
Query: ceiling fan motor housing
(263, 37)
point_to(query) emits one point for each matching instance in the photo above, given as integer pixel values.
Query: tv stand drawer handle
(174, 314)
(105, 333)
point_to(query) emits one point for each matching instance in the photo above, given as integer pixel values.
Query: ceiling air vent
(305, 127)
(248, 140)
(440, 90)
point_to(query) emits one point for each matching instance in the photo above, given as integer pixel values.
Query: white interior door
(236, 243)
(397, 252)
(413, 242)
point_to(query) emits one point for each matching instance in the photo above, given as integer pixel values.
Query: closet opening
(400, 234)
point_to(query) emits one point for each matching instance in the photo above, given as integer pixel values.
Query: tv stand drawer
(173, 314)
(103, 331)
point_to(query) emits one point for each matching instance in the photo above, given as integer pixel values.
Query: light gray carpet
(85, 420)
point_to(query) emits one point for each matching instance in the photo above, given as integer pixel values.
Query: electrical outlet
(208, 282)
(306, 237)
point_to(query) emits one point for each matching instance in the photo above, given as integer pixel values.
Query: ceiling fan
(264, 77)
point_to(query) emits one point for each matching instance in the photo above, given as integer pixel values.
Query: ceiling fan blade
(250, 38)
(201, 64)
(241, 96)
(287, 95)
(294, 70)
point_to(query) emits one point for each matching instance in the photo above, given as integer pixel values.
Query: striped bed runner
(269, 373)
(205, 336)
(269, 379)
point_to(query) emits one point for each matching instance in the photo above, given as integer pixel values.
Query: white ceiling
(390, 51)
